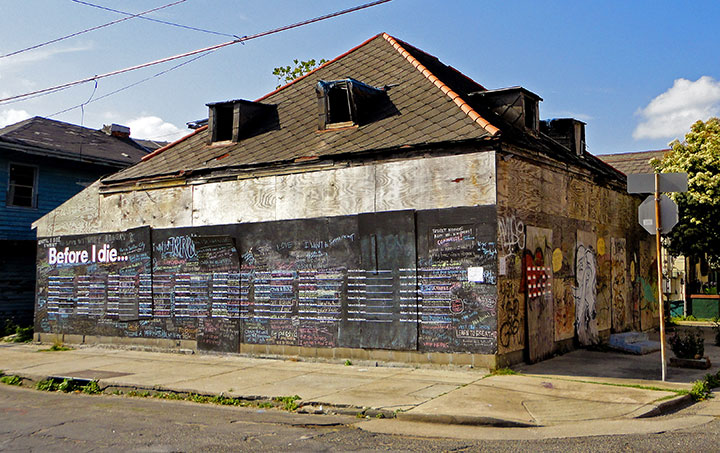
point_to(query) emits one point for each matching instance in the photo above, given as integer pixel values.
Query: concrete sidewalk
(441, 395)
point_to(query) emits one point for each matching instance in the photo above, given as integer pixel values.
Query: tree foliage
(697, 232)
(287, 74)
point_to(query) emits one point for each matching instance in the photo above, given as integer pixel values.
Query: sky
(639, 73)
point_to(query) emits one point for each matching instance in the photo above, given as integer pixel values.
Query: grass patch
(503, 372)
(56, 347)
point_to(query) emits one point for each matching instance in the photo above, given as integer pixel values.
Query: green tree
(697, 232)
(286, 74)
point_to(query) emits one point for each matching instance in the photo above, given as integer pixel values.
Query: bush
(687, 344)
(7, 327)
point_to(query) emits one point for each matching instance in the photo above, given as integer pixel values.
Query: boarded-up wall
(596, 287)
(418, 184)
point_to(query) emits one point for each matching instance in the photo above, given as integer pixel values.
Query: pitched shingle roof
(631, 163)
(68, 141)
(426, 105)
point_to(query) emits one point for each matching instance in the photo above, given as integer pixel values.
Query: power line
(173, 24)
(131, 85)
(195, 52)
(131, 16)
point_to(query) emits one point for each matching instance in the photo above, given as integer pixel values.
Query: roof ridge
(464, 106)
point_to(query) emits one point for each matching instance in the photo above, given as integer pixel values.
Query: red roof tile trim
(469, 111)
(170, 145)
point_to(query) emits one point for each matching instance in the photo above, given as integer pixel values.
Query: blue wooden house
(43, 163)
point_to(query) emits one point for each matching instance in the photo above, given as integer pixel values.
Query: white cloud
(12, 116)
(154, 128)
(671, 114)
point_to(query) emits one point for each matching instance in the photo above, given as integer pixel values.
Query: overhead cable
(195, 52)
(173, 24)
(126, 87)
(131, 16)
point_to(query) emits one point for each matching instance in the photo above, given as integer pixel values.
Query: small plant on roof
(687, 344)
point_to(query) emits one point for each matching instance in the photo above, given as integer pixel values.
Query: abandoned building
(383, 206)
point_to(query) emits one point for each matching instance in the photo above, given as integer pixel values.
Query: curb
(467, 420)
(668, 406)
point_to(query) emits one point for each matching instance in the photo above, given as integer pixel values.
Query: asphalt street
(41, 421)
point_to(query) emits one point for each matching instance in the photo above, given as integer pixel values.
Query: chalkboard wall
(401, 280)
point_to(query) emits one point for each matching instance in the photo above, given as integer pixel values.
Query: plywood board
(342, 191)
(437, 182)
(247, 200)
(621, 309)
(585, 290)
(511, 316)
(647, 279)
(78, 215)
(603, 298)
(564, 308)
(160, 208)
(538, 286)
(519, 185)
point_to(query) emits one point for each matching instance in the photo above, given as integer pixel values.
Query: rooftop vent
(233, 120)
(569, 132)
(516, 105)
(117, 130)
(346, 102)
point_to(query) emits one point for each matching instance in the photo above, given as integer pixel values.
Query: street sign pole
(660, 273)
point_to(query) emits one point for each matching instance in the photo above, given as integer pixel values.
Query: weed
(380, 415)
(11, 380)
(359, 415)
(348, 362)
(47, 385)
(289, 402)
(91, 388)
(700, 390)
(265, 405)
(503, 372)
(57, 346)
(67, 385)
(23, 334)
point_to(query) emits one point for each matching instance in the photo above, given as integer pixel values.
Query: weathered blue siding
(57, 181)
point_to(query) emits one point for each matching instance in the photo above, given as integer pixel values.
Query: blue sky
(637, 72)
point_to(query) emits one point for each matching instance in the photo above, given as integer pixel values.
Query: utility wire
(131, 16)
(155, 20)
(195, 52)
(131, 85)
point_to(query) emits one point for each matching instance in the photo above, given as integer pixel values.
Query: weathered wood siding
(57, 181)
(422, 183)
(593, 293)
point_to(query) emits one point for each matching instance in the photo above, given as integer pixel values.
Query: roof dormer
(516, 105)
(231, 121)
(345, 103)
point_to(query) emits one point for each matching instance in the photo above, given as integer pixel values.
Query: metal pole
(660, 272)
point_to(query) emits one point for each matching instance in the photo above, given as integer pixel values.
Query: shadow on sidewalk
(602, 362)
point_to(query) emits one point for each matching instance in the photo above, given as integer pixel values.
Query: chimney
(569, 132)
(117, 130)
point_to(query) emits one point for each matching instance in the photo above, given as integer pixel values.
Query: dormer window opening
(223, 116)
(347, 102)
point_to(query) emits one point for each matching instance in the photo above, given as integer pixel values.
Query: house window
(22, 186)
(531, 114)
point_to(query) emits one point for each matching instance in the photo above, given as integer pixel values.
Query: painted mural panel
(603, 298)
(456, 280)
(585, 289)
(621, 309)
(647, 279)
(511, 316)
(537, 283)
(564, 310)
